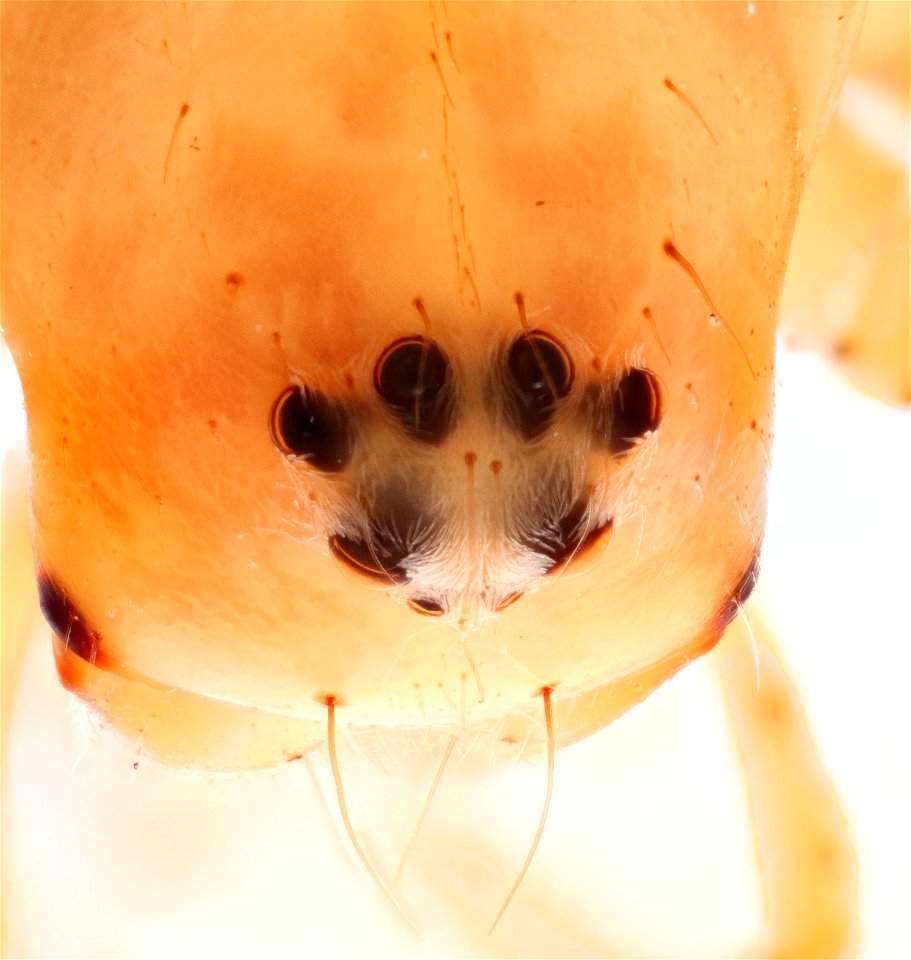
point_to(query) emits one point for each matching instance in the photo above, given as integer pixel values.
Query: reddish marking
(520, 304)
(295, 756)
(330, 700)
(349, 381)
(514, 597)
(455, 182)
(184, 110)
(213, 425)
(474, 287)
(680, 259)
(752, 424)
(540, 203)
(647, 313)
(276, 338)
(234, 280)
(495, 467)
(676, 90)
(418, 304)
(471, 458)
(436, 63)
(452, 55)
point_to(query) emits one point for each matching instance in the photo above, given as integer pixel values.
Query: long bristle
(549, 722)
(430, 795)
(346, 820)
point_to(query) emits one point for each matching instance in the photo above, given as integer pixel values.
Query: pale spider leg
(549, 723)
(807, 863)
(453, 739)
(346, 820)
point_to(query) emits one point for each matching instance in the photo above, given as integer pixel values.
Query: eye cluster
(415, 383)
(414, 380)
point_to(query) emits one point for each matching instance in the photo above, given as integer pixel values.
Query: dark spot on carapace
(234, 280)
(738, 596)
(540, 203)
(65, 619)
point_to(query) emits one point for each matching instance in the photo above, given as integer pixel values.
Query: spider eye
(412, 378)
(305, 424)
(630, 410)
(539, 372)
(566, 536)
(426, 606)
(373, 557)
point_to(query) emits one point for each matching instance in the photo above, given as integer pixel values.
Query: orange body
(204, 205)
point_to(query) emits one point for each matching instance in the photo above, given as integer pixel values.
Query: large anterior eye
(539, 372)
(630, 410)
(412, 377)
(306, 424)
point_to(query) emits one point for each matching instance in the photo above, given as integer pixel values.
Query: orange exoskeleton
(405, 366)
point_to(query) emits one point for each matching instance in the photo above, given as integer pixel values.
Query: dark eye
(374, 558)
(630, 410)
(394, 532)
(413, 379)
(539, 372)
(426, 606)
(305, 424)
(564, 537)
